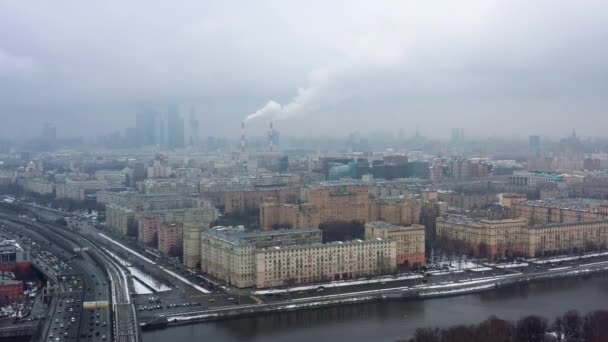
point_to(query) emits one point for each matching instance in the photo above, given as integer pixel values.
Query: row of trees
(569, 327)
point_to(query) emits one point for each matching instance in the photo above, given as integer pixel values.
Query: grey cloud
(91, 67)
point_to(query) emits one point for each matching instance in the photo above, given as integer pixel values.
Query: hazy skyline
(494, 67)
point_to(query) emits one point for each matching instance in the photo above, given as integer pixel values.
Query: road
(80, 281)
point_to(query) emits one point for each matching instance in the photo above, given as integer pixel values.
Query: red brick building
(170, 239)
(147, 231)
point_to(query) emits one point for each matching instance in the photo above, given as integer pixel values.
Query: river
(390, 321)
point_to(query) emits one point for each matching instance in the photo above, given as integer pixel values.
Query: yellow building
(398, 211)
(301, 264)
(228, 253)
(562, 238)
(410, 241)
(243, 200)
(290, 256)
(339, 203)
(497, 238)
(121, 219)
(544, 212)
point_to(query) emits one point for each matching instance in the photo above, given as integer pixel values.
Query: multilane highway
(82, 310)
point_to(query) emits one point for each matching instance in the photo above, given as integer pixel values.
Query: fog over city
(498, 68)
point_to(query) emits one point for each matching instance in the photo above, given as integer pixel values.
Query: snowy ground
(559, 268)
(127, 249)
(464, 264)
(455, 291)
(444, 272)
(140, 288)
(339, 284)
(117, 258)
(148, 280)
(139, 277)
(480, 269)
(186, 281)
(567, 258)
(510, 265)
(595, 263)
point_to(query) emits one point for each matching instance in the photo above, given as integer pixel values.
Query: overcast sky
(493, 67)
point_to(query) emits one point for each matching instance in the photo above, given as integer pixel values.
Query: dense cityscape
(182, 230)
(277, 171)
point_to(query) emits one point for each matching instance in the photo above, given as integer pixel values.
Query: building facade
(170, 239)
(121, 219)
(409, 241)
(229, 253)
(544, 212)
(147, 232)
(487, 238)
(243, 200)
(302, 264)
(513, 237)
(397, 211)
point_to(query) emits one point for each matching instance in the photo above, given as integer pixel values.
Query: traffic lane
(95, 325)
(93, 294)
(93, 320)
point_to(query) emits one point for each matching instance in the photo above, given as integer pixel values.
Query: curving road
(82, 310)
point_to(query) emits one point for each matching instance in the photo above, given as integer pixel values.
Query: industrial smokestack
(243, 136)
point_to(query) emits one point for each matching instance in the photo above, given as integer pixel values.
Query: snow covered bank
(186, 281)
(567, 258)
(338, 284)
(127, 249)
(140, 288)
(457, 291)
(148, 280)
(510, 265)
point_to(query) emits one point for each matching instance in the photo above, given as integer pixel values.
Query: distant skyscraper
(457, 135)
(194, 130)
(534, 143)
(145, 127)
(175, 128)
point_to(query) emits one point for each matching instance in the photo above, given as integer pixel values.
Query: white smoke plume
(378, 48)
(306, 101)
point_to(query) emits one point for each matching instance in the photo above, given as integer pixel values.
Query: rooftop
(238, 235)
(322, 245)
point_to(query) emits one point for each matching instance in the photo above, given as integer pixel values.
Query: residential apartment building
(168, 186)
(560, 210)
(159, 170)
(81, 190)
(302, 264)
(39, 186)
(121, 219)
(170, 239)
(193, 227)
(148, 226)
(229, 253)
(243, 200)
(568, 237)
(511, 237)
(397, 211)
(488, 238)
(203, 216)
(466, 201)
(410, 241)
(324, 204)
